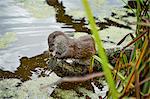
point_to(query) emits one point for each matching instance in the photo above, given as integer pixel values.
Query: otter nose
(51, 49)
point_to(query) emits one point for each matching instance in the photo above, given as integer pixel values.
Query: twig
(75, 79)
(145, 80)
(82, 78)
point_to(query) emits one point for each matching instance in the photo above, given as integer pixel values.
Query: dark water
(25, 53)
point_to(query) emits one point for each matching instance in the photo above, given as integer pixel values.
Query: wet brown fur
(66, 47)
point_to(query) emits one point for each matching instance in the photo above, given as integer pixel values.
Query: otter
(63, 47)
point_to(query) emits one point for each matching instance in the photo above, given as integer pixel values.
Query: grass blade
(101, 52)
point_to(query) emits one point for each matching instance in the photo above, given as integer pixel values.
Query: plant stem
(101, 53)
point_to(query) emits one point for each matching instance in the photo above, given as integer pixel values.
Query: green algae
(8, 88)
(78, 93)
(38, 8)
(72, 94)
(7, 39)
(32, 89)
(65, 94)
(79, 34)
(78, 13)
(115, 34)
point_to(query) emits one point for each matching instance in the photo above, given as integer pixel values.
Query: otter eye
(51, 45)
(54, 36)
(50, 50)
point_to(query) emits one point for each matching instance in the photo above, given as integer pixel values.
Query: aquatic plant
(6, 39)
(37, 8)
(101, 52)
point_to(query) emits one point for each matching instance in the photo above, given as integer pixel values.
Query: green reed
(101, 52)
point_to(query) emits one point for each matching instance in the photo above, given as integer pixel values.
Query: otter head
(51, 39)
